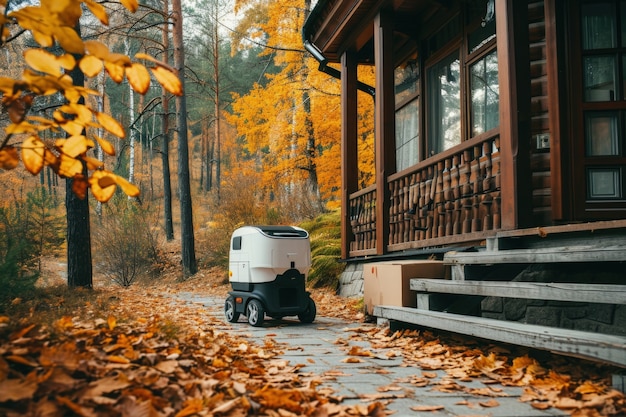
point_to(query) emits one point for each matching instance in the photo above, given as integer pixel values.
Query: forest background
(263, 128)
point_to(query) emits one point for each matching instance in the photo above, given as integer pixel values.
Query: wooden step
(565, 254)
(592, 346)
(558, 291)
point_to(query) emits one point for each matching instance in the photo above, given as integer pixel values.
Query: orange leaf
(138, 77)
(22, 360)
(9, 158)
(490, 403)
(115, 71)
(32, 154)
(42, 61)
(90, 65)
(191, 407)
(110, 124)
(112, 322)
(100, 192)
(69, 167)
(92, 163)
(76, 145)
(106, 146)
(168, 80)
(129, 189)
(97, 49)
(131, 5)
(69, 39)
(66, 61)
(427, 407)
(97, 10)
(118, 359)
(79, 410)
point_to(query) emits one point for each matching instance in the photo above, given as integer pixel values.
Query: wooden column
(349, 150)
(557, 174)
(513, 68)
(384, 120)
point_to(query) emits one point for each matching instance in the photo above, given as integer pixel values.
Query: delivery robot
(269, 266)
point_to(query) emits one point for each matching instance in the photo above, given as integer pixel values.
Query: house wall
(540, 156)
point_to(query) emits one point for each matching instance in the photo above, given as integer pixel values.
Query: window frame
(467, 59)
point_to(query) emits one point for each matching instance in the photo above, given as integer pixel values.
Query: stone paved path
(313, 345)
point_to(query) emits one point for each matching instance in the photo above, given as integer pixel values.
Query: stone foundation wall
(351, 281)
(599, 318)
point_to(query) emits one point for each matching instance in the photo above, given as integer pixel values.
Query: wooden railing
(451, 197)
(363, 220)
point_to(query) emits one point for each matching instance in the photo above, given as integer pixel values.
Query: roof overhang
(335, 26)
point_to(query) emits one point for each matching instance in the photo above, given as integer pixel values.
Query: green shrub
(325, 232)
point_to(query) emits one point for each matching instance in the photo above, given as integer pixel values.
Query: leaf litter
(152, 356)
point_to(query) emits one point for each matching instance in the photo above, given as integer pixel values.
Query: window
(407, 113)
(444, 104)
(463, 95)
(485, 94)
(602, 69)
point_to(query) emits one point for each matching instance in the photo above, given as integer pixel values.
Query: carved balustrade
(450, 197)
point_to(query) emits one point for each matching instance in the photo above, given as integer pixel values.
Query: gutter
(319, 56)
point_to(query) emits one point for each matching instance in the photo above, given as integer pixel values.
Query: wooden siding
(540, 162)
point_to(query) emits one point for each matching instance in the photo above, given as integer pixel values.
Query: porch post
(384, 121)
(349, 150)
(514, 72)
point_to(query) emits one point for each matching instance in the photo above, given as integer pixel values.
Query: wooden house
(500, 150)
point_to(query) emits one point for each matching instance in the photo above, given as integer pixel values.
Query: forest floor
(143, 351)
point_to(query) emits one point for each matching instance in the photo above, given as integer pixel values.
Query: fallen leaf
(427, 407)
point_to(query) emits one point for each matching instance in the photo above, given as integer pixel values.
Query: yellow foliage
(54, 22)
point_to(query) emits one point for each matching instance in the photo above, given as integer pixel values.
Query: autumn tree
(61, 50)
(190, 266)
(292, 123)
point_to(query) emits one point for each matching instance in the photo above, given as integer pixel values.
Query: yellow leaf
(32, 154)
(69, 39)
(131, 5)
(101, 193)
(42, 38)
(98, 10)
(75, 145)
(110, 124)
(92, 163)
(9, 158)
(69, 167)
(106, 146)
(97, 49)
(112, 322)
(42, 61)
(90, 65)
(168, 80)
(129, 189)
(138, 77)
(67, 61)
(116, 72)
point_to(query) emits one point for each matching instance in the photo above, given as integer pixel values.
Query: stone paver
(313, 345)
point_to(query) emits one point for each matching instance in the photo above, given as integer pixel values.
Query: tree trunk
(187, 235)
(79, 269)
(165, 145)
(216, 79)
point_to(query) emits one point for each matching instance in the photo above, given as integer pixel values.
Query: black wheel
(308, 315)
(255, 313)
(229, 310)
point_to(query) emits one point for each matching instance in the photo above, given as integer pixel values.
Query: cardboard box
(388, 283)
